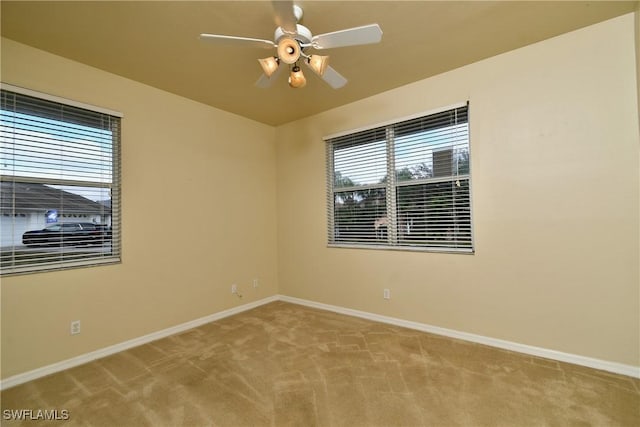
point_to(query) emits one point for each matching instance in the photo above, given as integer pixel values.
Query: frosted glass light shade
(297, 79)
(269, 65)
(318, 63)
(288, 50)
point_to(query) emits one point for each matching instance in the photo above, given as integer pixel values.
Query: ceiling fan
(293, 41)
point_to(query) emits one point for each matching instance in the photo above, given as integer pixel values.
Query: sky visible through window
(371, 164)
(366, 164)
(42, 148)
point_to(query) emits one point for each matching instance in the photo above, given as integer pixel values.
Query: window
(60, 183)
(404, 185)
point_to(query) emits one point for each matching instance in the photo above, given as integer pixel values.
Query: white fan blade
(265, 82)
(350, 37)
(233, 40)
(331, 76)
(285, 17)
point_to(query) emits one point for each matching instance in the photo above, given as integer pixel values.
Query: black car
(106, 231)
(71, 233)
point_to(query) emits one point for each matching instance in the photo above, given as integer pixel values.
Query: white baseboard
(618, 368)
(107, 351)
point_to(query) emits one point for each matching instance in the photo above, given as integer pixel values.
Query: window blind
(60, 184)
(403, 185)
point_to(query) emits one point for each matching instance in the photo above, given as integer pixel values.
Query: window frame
(114, 255)
(391, 187)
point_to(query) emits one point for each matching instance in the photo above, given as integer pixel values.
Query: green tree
(463, 162)
(342, 181)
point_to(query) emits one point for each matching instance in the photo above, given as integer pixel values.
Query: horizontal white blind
(402, 185)
(60, 186)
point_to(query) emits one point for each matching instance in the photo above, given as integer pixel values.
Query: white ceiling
(156, 43)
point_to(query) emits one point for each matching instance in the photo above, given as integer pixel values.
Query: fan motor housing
(303, 34)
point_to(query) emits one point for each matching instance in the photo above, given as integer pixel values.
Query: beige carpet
(287, 365)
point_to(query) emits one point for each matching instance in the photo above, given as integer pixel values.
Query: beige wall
(198, 213)
(554, 156)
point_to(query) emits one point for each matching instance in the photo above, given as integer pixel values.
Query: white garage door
(12, 228)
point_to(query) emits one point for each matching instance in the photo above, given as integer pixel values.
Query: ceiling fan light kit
(292, 39)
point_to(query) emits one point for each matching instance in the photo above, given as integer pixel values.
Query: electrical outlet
(386, 294)
(255, 283)
(234, 289)
(75, 327)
